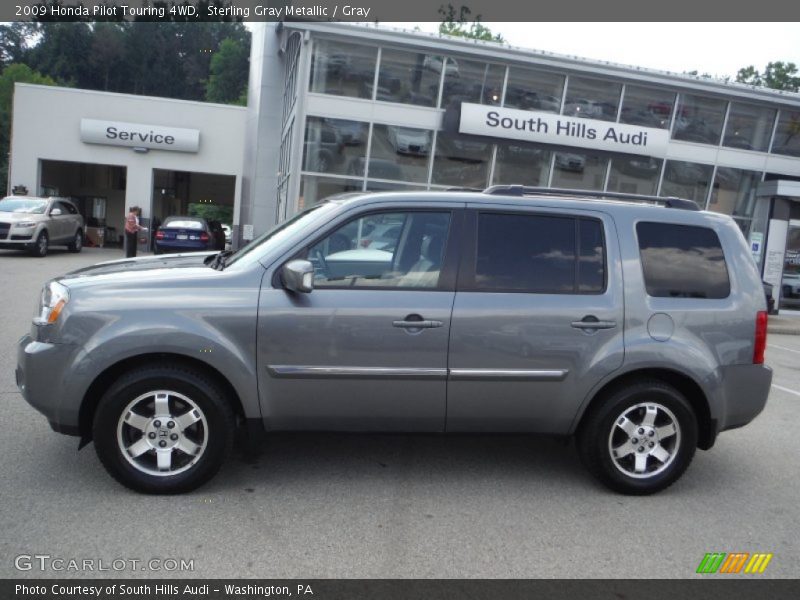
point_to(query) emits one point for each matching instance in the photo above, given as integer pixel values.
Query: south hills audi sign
(547, 128)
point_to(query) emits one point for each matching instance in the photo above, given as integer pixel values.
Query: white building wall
(46, 126)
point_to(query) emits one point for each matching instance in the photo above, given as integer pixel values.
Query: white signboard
(756, 241)
(136, 135)
(776, 249)
(247, 232)
(547, 128)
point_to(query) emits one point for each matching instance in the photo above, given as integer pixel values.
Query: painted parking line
(783, 348)
(784, 389)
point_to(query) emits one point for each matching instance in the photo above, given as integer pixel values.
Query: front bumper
(40, 378)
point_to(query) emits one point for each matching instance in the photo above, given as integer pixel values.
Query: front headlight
(54, 298)
(25, 224)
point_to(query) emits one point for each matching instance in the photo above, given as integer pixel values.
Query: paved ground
(394, 505)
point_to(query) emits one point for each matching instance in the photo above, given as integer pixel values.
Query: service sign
(137, 135)
(548, 128)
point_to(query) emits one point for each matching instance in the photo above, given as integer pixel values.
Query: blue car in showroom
(188, 234)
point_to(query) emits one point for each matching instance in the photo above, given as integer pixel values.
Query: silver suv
(34, 224)
(635, 324)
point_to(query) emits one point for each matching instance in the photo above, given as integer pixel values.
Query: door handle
(416, 322)
(592, 323)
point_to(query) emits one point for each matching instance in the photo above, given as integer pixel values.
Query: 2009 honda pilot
(637, 325)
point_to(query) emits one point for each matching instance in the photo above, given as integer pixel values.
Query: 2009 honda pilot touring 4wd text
(638, 325)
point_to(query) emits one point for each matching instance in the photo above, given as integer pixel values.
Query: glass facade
(391, 149)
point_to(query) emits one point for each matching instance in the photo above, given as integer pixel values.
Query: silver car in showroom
(34, 224)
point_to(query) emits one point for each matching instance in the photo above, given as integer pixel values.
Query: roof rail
(523, 190)
(464, 189)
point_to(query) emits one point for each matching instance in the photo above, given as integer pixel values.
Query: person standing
(132, 228)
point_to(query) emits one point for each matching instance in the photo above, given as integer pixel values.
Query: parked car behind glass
(186, 234)
(34, 224)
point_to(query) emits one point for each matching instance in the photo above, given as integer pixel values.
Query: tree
(12, 74)
(229, 73)
(777, 75)
(459, 26)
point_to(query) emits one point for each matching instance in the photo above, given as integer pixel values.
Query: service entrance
(185, 193)
(97, 190)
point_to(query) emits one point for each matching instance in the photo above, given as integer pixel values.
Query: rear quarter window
(682, 261)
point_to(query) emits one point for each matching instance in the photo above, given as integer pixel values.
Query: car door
(59, 223)
(366, 350)
(537, 318)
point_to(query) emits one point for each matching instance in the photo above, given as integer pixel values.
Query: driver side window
(383, 250)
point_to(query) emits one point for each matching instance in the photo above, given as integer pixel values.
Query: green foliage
(12, 74)
(229, 71)
(214, 212)
(458, 25)
(777, 75)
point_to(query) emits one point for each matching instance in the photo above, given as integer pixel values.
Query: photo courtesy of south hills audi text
(259, 11)
(153, 590)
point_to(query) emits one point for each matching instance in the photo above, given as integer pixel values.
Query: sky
(719, 49)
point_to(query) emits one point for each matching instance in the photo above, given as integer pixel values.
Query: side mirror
(298, 276)
(55, 212)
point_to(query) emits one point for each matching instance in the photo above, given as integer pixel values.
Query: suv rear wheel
(76, 245)
(163, 429)
(640, 439)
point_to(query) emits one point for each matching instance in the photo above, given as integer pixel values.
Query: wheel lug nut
(641, 430)
(635, 440)
(173, 437)
(157, 424)
(641, 448)
(171, 424)
(162, 443)
(652, 444)
(151, 435)
(652, 433)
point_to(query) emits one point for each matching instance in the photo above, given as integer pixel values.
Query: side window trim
(467, 267)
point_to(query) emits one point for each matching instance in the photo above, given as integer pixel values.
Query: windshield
(33, 206)
(277, 234)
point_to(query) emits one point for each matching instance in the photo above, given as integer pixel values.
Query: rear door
(537, 318)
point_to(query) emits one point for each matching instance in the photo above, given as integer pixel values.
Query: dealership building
(336, 107)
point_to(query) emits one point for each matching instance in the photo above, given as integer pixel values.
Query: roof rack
(523, 190)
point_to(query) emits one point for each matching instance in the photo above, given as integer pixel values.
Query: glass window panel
(749, 126)
(314, 189)
(592, 98)
(578, 170)
(334, 146)
(521, 163)
(343, 69)
(407, 150)
(529, 89)
(530, 253)
(591, 257)
(787, 135)
(687, 180)
(470, 81)
(682, 261)
(734, 192)
(408, 78)
(386, 250)
(699, 119)
(392, 186)
(634, 174)
(647, 106)
(461, 161)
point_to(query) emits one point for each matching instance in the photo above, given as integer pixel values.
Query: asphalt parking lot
(392, 505)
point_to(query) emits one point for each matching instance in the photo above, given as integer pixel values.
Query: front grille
(17, 237)
(4, 227)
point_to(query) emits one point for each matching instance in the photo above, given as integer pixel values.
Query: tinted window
(682, 261)
(539, 254)
(699, 119)
(408, 78)
(343, 69)
(183, 224)
(388, 250)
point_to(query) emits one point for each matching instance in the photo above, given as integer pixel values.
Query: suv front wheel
(163, 429)
(640, 439)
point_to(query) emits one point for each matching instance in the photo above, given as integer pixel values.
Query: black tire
(217, 429)
(41, 245)
(601, 433)
(76, 245)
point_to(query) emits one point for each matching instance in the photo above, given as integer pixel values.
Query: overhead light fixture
(141, 149)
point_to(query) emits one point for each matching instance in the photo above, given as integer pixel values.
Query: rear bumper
(745, 392)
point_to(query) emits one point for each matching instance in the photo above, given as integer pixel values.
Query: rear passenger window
(682, 261)
(539, 254)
